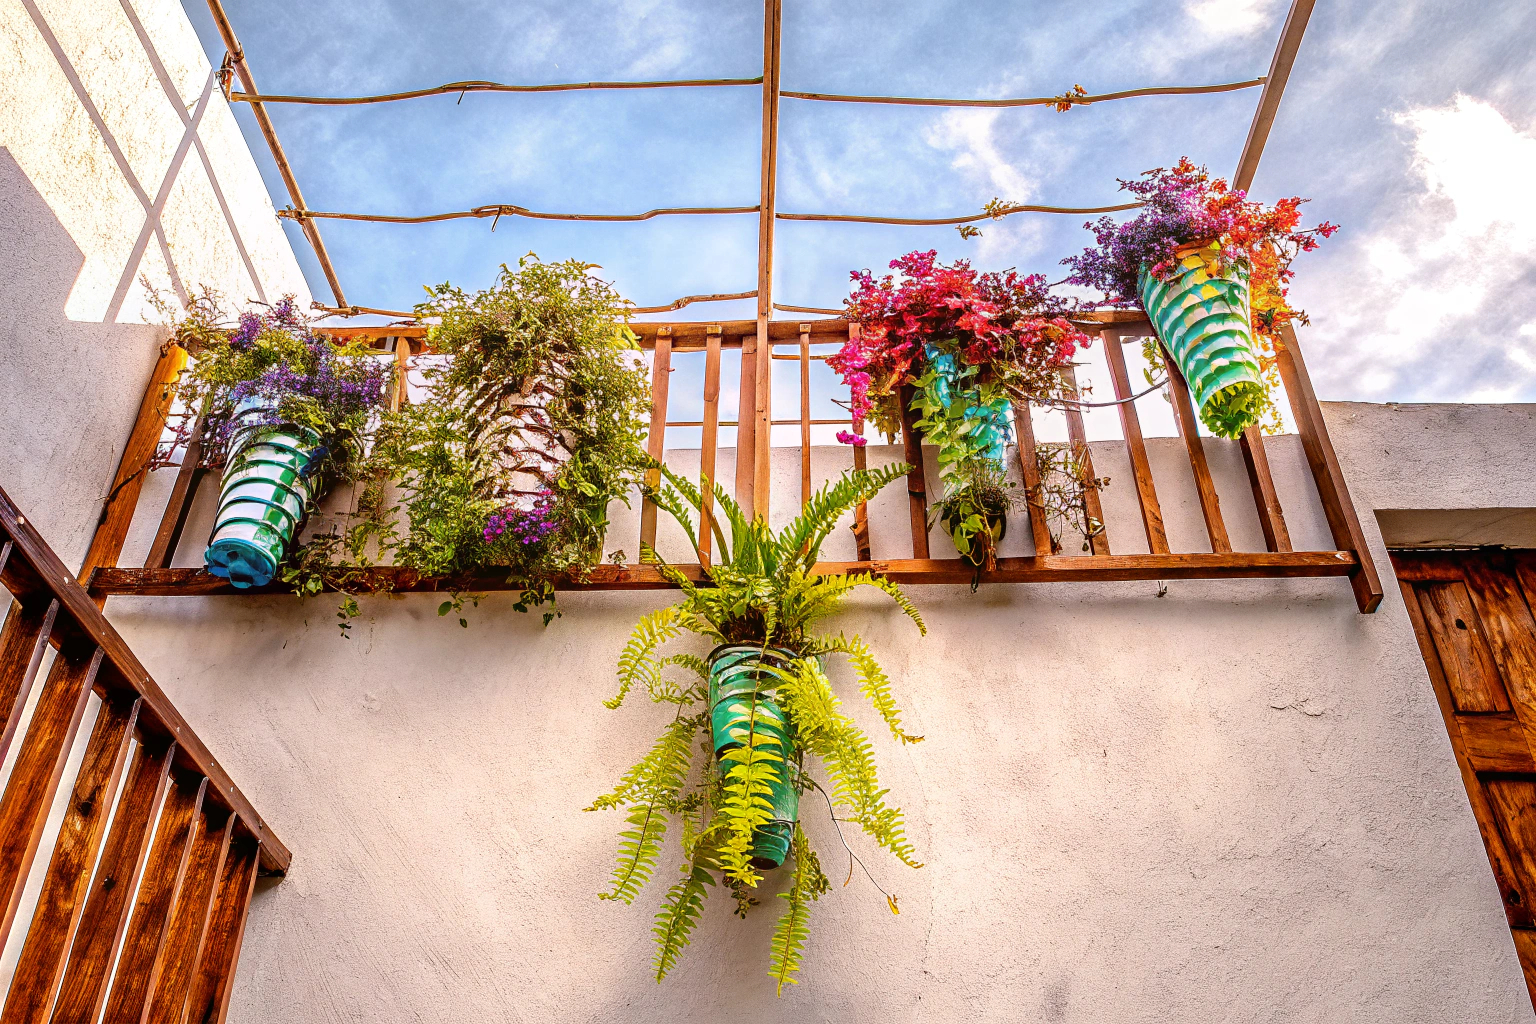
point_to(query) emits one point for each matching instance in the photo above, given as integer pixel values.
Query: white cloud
(1230, 18)
(971, 134)
(1454, 250)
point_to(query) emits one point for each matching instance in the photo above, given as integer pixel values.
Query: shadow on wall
(71, 389)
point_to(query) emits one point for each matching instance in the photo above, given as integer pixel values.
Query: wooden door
(1472, 614)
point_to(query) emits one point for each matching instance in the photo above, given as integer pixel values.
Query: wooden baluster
(209, 1001)
(189, 920)
(805, 413)
(402, 394)
(1265, 499)
(1141, 467)
(1029, 469)
(62, 898)
(710, 442)
(1189, 430)
(917, 479)
(174, 521)
(84, 989)
(22, 642)
(39, 765)
(762, 476)
(860, 461)
(1099, 542)
(123, 497)
(138, 966)
(655, 446)
(746, 426)
(1343, 523)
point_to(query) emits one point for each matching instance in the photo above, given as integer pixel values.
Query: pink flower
(845, 437)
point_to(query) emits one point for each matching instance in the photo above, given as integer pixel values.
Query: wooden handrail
(34, 575)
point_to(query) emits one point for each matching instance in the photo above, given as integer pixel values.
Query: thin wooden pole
(1274, 88)
(768, 181)
(1338, 507)
(710, 441)
(917, 478)
(655, 445)
(163, 551)
(805, 413)
(1141, 466)
(1189, 430)
(746, 425)
(1265, 499)
(1099, 542)
(860, 461)
(1029, 469)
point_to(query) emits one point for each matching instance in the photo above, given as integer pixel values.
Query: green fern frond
(874, 684)
(678, 916)
(803, 537)
(636, 663)
(790, 934)
(655, 786)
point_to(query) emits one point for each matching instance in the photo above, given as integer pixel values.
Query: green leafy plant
(761, 590)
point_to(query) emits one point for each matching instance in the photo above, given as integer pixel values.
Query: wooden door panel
(1510, 629)
(1513, 801)
(1495, 743)
(1470, 669)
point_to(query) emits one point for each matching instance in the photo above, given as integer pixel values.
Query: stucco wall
(1235, 801)
(121, 170)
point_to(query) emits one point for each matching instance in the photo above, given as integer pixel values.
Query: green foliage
(762, 590)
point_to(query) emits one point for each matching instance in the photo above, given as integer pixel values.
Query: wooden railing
(167, 898)
(1348, 557)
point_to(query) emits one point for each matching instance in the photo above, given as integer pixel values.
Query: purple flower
(524, 525)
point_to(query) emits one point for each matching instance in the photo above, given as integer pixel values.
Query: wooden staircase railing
(172, 884)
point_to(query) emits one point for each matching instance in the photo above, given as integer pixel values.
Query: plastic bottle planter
(997, 525)
(266, 493)
(741, 704)
(1204, 322)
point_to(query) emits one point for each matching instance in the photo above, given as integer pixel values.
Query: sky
(1411, 123)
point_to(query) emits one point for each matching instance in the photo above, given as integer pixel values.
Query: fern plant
(761, 590)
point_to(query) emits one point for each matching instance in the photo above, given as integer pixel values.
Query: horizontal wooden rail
(1030, 569)
(35, 576)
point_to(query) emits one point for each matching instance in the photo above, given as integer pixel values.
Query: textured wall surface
(1233, 802)
(120, 166)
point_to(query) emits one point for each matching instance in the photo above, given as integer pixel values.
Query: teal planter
(1204, 323)
(741, 705)
(266, 493)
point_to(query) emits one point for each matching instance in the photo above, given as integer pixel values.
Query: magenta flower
(847, 437)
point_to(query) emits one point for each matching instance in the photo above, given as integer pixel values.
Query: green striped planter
(1204, 323)
(266, 492)
(741, 705)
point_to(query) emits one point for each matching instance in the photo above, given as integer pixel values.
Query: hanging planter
(742, 711)
(1200, 309)
(1210, 268)
(268, 489)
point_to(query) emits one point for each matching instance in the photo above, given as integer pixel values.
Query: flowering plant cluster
(1186, 205)
(275, 355)
(514, 525)
(1006, 327)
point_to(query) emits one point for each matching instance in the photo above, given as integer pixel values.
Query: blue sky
(1409, 122)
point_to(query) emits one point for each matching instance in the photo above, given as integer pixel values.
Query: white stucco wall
(1234, 802)
(120, 164)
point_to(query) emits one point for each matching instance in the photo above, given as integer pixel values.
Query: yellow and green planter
(741, 707)
(269, 487)
(1202, 316)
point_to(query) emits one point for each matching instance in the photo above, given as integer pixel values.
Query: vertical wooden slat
(763, 432)
(39, 764)
(746, 425)
(139, 963)
(655, 445)
(1141, 468)
(1029, 470)
(1189, 430)
(189, 920)
(1343, 523)
(62, 898)
(860, 461)
(209, 1001)
(1098, 544)
(401, 393)
(188, 475)
(84, 989)
(768, 182)
(805, 413)
(123, 497)
(709, 444)
(917, 479)
(22, 643)
(1266, 500)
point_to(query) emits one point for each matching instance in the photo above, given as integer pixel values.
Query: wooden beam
(1029, 470)
(1274, 88)
(1077, 434)
(746, 426)
(1136, 445)
(805, 413)
(1189, 430)
(1266, 499)
(656, 439)
(773, 25)
(860, 461)
(23, 640)
(1332, 491)
(709, 443)
(123, 498)
(917, 479)
(174, 521)
(1032, 569)
(188, 933)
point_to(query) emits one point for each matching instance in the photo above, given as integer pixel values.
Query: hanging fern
(762, 591)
